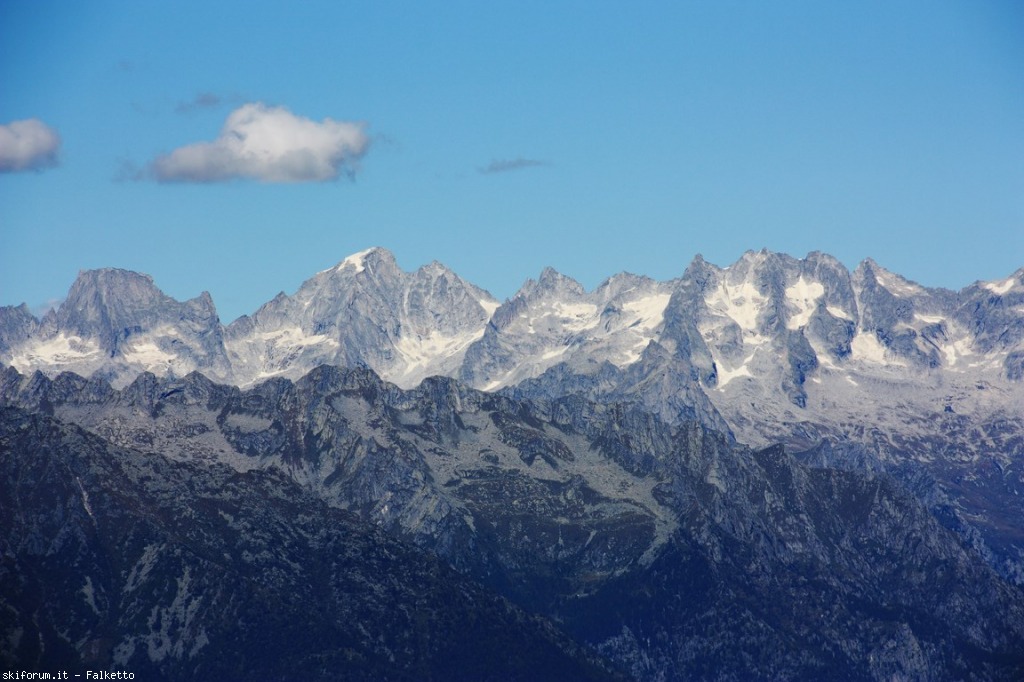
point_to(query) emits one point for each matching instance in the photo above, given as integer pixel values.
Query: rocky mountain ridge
(812, 313)
(667, 548)
(116, 559)
(925, 383)
(813, 343)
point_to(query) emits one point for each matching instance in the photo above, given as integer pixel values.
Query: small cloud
(203, 100)
(505, 165)
(28, 145)
(269, 144)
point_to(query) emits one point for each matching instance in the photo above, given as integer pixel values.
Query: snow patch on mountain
(838, 312)
(420, 354)
(489, 305)
(55, 354)
(740, 302)
(573, 317)
(803, 296)
(726, 375)
(648, 311)
(641, 319)
(294, 337)
(1000, 288)
(896, 284)
(867, 348)
(148, 354)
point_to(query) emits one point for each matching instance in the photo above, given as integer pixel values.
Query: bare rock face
(667, 549)
(363, 312)
(531, 443)
(17, 325)
(119, 560)
(817, 343)
(116, 324)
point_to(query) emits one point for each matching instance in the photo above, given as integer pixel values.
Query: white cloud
(27, 145)
(269, 144)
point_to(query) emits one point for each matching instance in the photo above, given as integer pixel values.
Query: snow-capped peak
(357, 261)
(1003, 287)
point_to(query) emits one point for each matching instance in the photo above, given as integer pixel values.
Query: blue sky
(499, 138)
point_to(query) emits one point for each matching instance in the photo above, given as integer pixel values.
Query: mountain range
(763, 469)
